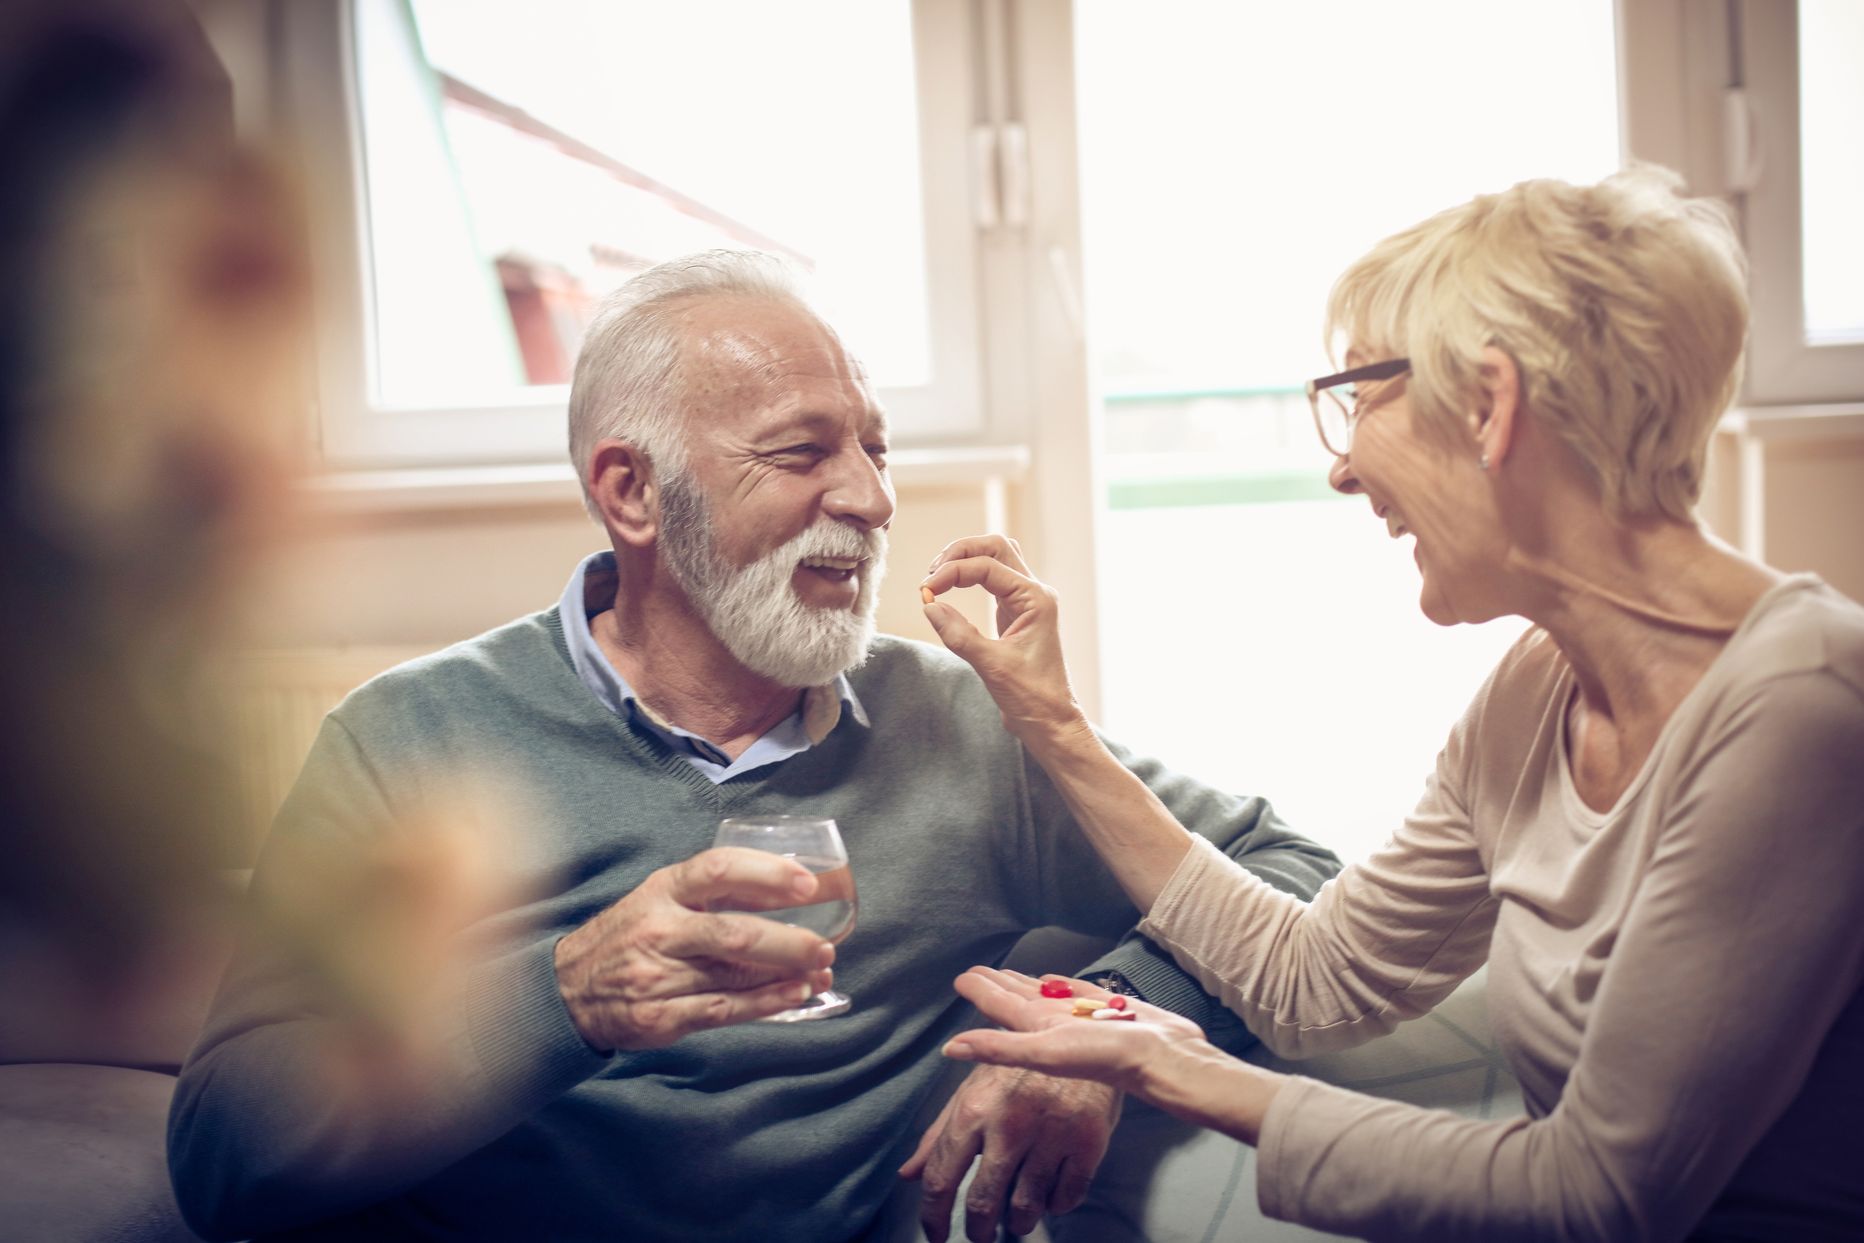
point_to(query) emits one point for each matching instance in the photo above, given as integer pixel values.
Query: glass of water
(815, 843)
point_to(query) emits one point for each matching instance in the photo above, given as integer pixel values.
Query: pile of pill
(1113, 1007)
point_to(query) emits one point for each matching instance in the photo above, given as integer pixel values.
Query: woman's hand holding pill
(1023, 666)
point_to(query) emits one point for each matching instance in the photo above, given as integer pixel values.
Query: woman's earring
(1485, 461)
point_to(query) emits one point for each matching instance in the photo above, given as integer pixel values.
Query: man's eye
(878, 453)
(1350, 395)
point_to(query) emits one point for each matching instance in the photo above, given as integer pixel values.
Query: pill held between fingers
(925, 595)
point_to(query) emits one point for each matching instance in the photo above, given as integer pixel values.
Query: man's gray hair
(628, 384)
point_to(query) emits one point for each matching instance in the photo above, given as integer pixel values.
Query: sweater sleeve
(1383, 942)
(260, 1137)
(1740, 950)
(1245, 830)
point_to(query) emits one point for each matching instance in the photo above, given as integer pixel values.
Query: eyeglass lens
(1335, 410)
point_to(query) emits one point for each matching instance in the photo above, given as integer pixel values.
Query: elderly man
(597, 1076)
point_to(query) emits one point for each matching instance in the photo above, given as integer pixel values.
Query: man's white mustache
(830, 538)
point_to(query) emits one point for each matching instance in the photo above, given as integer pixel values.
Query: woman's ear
(1492, 422)
(621, 482)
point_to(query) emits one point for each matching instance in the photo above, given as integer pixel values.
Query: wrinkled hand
(1037, 1141)
(1023, 666)
(1046, 1036)
(656, 965)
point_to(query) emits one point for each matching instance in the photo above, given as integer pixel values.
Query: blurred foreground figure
(150, 291)
(152, 310)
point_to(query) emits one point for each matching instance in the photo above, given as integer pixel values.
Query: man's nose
(861, 491)
(1340, 476)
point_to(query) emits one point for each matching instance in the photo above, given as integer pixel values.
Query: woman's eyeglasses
(1335, 401)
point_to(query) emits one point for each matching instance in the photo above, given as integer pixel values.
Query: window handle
(1013, 172)
(984, 188)
(1000, 175)
(1741, 149)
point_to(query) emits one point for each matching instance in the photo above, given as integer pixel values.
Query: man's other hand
(657, 964)
(1037, 1141)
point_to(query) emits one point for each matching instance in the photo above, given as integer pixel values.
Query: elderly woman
(1649, 822)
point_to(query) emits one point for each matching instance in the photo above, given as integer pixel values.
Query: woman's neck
(1640, 610)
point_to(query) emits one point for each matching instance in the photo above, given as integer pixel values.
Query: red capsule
(1116, 1002)
(1057, 988)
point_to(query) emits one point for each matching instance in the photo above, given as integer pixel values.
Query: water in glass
(814, 842)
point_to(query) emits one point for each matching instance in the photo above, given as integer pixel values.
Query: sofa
(88, 1056)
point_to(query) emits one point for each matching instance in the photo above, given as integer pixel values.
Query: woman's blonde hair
(1622, 304)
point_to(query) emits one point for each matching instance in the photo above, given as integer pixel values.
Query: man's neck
(682, 673)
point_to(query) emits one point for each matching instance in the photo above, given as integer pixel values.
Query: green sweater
(958, 844)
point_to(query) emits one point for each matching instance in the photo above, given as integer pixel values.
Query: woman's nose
(1340, 476)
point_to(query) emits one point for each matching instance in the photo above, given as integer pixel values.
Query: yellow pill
(925, 594)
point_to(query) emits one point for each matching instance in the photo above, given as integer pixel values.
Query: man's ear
(621, 481)
(1492, 422)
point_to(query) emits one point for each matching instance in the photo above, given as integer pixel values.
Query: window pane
(1234, 159)
(524, 159)
(1831, 155)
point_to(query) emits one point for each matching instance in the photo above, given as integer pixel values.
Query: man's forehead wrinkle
(846, 365)
(760, 347)
(730, 357)
(743, 353)
(826, 356)
(720, 367)
(717, 347)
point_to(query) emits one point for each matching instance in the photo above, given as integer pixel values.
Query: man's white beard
(755, 610)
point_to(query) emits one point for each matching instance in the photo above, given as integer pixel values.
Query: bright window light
(1261, 632)
(1831, 167)
(522, 160)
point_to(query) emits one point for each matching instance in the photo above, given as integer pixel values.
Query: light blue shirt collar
(591, 590)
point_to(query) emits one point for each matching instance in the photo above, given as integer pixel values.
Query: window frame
(1783, 367)
(1711, 88)
(354, 430)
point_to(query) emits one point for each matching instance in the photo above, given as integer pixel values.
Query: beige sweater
(1676, 981)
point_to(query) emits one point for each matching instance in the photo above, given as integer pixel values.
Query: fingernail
(958, 1048)
(801, 993)
(803, 885)
(825, 957)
